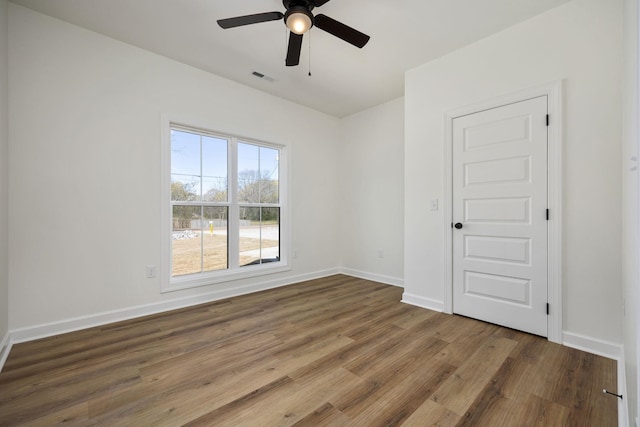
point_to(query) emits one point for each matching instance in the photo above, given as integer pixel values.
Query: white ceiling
(345, 79)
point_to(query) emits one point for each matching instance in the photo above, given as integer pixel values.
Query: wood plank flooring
(338, 351)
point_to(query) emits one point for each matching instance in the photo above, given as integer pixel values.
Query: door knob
(458, 225)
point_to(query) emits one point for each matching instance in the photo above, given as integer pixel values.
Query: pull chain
(309, 53)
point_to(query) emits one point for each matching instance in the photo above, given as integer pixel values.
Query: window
(224, 208)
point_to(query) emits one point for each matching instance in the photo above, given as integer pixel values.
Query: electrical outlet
(151, 271)
(434, 204)
(380, 253)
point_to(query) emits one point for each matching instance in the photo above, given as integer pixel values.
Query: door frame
(554, 92)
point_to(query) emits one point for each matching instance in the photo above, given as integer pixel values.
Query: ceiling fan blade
(239, 21)
(319, 3)
(293, 52)
(341, 30)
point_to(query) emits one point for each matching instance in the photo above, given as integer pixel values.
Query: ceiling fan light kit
(299, 19)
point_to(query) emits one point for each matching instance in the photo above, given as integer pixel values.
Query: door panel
(500, 197)
(498, 249)
(507, 130)
(497, 171)
(499, 288)
(500, 210)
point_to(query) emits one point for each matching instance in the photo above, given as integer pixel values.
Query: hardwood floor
(330, 352)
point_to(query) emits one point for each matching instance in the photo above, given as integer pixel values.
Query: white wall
(371, 180)
(581, 42)
(4, 174)
(630, 216)
(85, 167)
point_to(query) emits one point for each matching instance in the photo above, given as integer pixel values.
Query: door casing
(553, 91)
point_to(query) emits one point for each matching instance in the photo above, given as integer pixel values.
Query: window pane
(249, 236)
(259, 235)
(248, 173)
(270, 234)
(214, 239)
(214, 169)
(269, 175)
(185, 188)
(185, 166)
(186, 242)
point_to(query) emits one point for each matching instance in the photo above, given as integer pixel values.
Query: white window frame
(168, 282)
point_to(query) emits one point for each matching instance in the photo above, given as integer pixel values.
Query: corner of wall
(4, 165)
(5, 348)
(630, 214)
(623, 404)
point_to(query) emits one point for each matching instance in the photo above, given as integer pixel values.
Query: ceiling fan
(299, 19)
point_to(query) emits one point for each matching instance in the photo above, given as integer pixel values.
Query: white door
(500, 215)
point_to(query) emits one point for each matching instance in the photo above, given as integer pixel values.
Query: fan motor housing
(299, 3)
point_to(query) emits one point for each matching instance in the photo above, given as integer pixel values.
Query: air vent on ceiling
(263, 76)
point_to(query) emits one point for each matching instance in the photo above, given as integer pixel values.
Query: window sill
(194, 281)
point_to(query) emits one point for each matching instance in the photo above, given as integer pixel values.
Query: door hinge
(547, 214)
(547, 120)
(547, 309)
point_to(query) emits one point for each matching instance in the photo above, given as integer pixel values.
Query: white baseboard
(592, 345)
(423, 302)
(387, 280)
(84, 322)
(5, 348)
